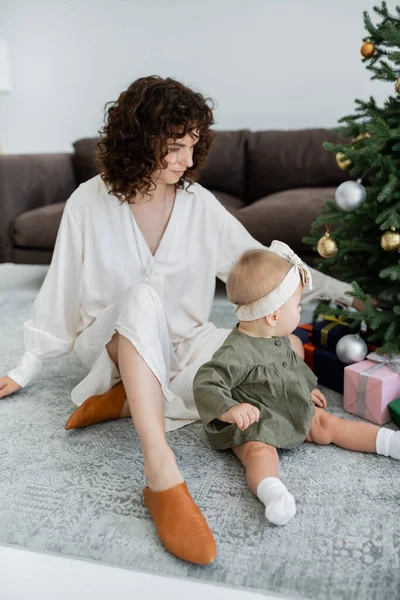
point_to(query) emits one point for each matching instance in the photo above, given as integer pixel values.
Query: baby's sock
(388, 443)
(280, 506)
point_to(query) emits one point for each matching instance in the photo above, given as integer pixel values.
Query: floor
(26, 575)
(30, 576)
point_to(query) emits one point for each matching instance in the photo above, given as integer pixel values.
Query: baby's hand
(318, 398)
(243, 415)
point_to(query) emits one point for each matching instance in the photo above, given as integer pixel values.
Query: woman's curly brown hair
(138, 126)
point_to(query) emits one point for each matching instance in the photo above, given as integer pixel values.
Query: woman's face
(179, 158)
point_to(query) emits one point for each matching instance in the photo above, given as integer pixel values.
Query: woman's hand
(8, 387)
(360, 306)
(243, 415)
(318, 398)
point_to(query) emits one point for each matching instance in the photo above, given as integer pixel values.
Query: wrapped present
(309, 355)
(327, 333)
(394, 411)
(326, 366)
(370, 385)
(323, 362)
(303, 332)
(329, 369)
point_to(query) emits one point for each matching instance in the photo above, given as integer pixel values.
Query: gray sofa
(274, 182)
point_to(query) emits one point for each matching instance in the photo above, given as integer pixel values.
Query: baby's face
(289, 313)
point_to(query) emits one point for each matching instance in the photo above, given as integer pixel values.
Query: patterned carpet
(79, 493)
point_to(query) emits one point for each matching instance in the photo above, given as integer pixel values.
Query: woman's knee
(321, 427)
(140, 306)
(297, 345)
(139, 295)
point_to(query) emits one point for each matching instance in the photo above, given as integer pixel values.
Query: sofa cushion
(84, 157)
(285, 216)
(225, 167)
(38, 228)
(29, 256)
(231, 203)
(281, 160)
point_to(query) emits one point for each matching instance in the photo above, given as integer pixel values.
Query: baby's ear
(272, 318)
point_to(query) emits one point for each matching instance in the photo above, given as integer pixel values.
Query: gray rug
(79, 493)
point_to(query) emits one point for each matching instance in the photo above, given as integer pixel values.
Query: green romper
(266, 373)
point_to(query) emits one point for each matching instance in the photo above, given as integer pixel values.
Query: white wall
(269, 64)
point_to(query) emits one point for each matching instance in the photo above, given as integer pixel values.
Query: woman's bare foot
(126, 411)
(162, 472)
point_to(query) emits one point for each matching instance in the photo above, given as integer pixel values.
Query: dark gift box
(394, 409)
(328, 332)
(325, 364)
(329, 369)
(303, 332)
(323, 361)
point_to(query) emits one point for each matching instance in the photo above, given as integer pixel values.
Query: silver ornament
(350, 195)
(351, 349)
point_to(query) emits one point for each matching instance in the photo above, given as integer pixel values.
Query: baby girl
(257, 395)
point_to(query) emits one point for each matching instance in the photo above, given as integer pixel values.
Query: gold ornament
(397, 86)
(367, 49)
(327, 247)
(390, 241)
(342, 161)
(362, 136)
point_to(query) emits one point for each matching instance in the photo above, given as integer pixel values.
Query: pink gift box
(368, 389)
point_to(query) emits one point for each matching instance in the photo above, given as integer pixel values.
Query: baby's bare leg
(261, 462)
(353, 435)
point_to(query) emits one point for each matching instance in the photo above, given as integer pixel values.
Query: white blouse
(100, 252)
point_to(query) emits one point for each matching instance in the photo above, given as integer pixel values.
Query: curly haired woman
(131, 284)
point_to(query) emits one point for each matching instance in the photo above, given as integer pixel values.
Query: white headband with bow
(277, 298)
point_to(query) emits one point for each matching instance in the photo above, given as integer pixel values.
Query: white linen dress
(103, 278)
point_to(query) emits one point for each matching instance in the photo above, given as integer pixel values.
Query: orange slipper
(180, 525)
(97, 409)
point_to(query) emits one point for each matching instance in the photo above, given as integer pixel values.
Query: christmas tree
(363, 223)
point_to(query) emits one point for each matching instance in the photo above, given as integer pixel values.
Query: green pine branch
(376, 159)
(392, 272)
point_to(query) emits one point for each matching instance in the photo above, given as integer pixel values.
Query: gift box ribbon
(381, 360)
(325, 330)
(338, 320)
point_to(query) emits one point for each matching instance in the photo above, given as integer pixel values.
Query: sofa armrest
(27, 182)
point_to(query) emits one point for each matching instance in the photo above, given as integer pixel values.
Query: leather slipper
(97, 409)
(180, 524)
